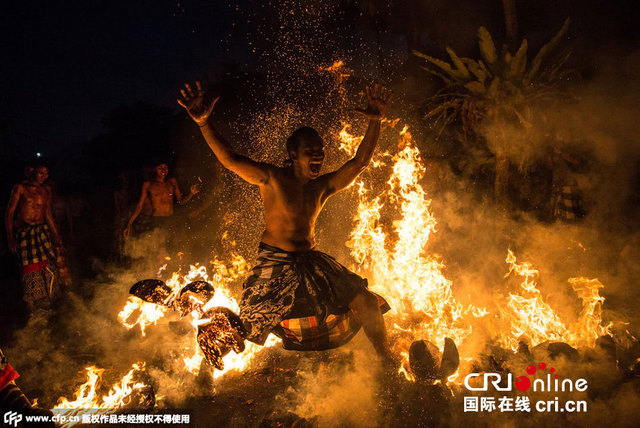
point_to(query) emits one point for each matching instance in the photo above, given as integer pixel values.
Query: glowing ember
(340, 72)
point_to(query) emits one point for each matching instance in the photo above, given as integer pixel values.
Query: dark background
(67, 66)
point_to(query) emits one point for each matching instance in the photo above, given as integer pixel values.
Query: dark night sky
(67, 64)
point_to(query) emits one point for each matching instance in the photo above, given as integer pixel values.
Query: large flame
(395, 259)
(399, 268)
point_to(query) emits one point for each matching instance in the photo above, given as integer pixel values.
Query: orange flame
(87, 399)
(533, 319)
(396, 261)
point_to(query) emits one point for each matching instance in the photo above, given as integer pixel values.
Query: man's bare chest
(35, 196)
(295, 198)
(161, 191)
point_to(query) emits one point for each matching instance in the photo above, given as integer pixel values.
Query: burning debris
(128, 393)
(151, 291)
(427, 363)
(193, 297)
(219, 329)
(220, 332)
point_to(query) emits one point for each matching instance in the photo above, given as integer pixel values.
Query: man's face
(161, 170)
(41, 174)
(309, 157)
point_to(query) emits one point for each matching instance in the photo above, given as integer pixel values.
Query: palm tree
(495, 92)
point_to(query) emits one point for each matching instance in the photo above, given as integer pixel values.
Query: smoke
(340, 391)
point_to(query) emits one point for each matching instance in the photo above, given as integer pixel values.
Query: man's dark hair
(293, 142)
(159, 160)
(36, 163)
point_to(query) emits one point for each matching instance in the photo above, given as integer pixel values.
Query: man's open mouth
(315, 167)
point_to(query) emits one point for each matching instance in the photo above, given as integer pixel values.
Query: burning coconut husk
(151, 291)
(193, 297)
(221, 332)
(427, 363)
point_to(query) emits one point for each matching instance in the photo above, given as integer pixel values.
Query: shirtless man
(291, 276)
(161, 191)
(32, 235)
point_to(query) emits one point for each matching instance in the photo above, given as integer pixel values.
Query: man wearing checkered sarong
(32, 235)
(303, 298)
(566, 197)
(297, 292)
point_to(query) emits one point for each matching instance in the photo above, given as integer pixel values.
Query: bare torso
(162, 195)
(33, 203)
(290, 210)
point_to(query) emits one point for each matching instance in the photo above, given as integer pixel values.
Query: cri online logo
(523, 383)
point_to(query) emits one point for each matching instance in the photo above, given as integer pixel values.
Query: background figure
(34, 237)
(566, 198)
(122, 202)
(161, 191)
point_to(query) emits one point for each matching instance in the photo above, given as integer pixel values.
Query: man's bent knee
(363, 301)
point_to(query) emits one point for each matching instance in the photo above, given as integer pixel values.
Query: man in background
(161, 191)
(33, 236)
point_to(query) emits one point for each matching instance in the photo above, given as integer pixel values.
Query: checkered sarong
(567, 204)
(308, 334)
(34, 245)
(301, 296)
(37, 262)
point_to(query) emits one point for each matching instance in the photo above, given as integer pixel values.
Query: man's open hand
(378, 98)
(195, 104)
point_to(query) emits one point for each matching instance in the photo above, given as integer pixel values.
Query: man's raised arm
(375, 111)
(200, 111)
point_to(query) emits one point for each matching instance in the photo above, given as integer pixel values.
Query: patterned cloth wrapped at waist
(34, 245)
(301, 296)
